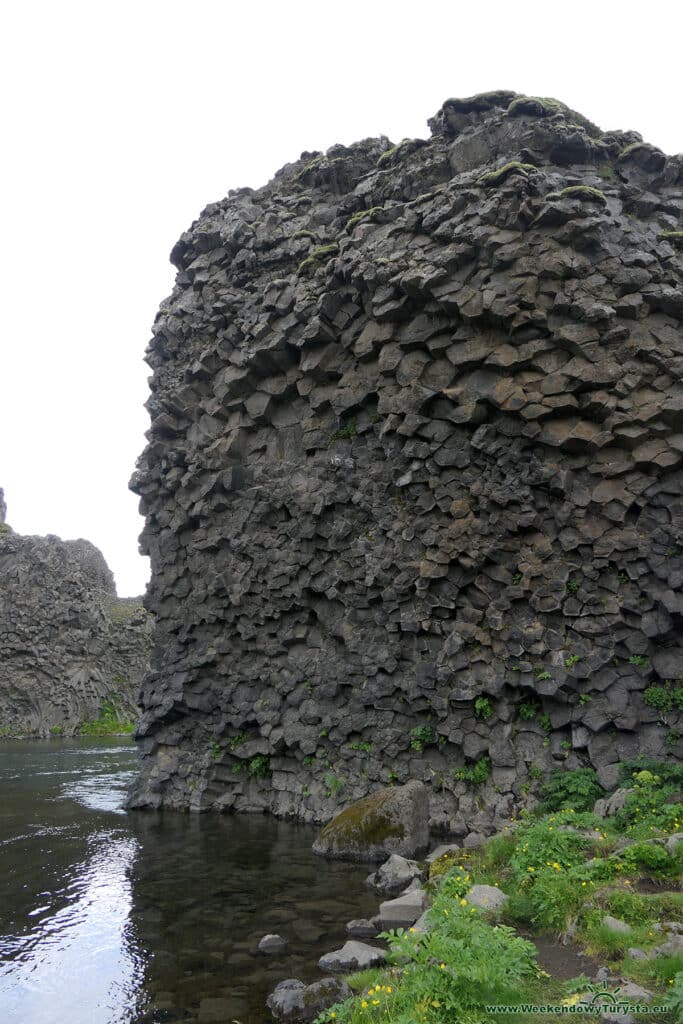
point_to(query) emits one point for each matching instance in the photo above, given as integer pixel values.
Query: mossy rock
(392, 820)
(673, 238)
(317, 258)
(584, 192)
(547, 106)
(360, 216)
(498, 176)
(482, 101)
(645, 156)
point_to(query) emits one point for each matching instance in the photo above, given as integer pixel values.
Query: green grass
(111, 721)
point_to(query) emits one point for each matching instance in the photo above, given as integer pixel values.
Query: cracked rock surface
(67, 643)
(413, 482)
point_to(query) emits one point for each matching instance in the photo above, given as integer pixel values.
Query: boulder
(391, 820)
(404, 910)
(487, 897)
(363, 928)
(673, 841)
(272, 944)
(353, 956)
(441, 851)
(672, 947)
(394, 874)
(292, 1002)
(615, 925)
(608, 806)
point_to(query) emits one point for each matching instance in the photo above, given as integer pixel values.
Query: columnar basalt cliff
(68, 645)
(413, 481)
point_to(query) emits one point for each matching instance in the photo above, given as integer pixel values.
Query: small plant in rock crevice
(483, 708)
(422, 736)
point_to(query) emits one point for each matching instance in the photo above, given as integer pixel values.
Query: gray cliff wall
(413, 482)
(67, 643)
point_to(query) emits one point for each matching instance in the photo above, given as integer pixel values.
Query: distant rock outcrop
(69, 648)
(413, 481)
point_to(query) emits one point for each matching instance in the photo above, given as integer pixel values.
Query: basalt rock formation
(413, 481)
(68, 645)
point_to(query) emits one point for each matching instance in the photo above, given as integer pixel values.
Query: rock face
(413, 481)
(67, 644)
(392, 820)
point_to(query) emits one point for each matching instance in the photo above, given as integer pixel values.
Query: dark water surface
(115, 918)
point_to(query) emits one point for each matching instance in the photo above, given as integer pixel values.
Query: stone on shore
(292, 1002)
(404, 910)
(391, 820)
(394, 875)
(353, 956)
(487, 897)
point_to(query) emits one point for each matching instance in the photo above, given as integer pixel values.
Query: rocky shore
(554, 917)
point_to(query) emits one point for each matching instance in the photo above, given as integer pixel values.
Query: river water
(115, 918)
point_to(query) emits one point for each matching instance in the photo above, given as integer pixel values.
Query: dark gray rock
(272, 944)
(68, 645)
(353, 956)
(392, 820)
(394, 875)
(415, 445)
(404, 910)
(292, 1002)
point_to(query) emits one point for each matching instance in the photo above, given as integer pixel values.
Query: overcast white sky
(123, 120)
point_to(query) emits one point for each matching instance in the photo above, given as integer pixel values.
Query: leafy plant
(543, 675)
(215, 749)
(334, 783)
(576, 790)
(527, 711)
(664, 699)
(346, 432)
(545, 723)
(259, 766)
(483, 708)
(639, 660)
(476, 774)
(572, 660)
(422, 736)
(365, 747)
(238, 740)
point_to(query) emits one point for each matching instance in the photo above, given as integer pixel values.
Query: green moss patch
(317, 258)
(365, 823)
(498, 176)
(586, 192)
(547, 106)
(361, 216)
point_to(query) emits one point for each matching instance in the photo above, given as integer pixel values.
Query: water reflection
(108, 918)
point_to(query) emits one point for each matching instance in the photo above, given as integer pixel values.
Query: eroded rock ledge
(67, 643)
(413, 481)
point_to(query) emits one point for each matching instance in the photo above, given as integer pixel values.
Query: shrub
(577, 790)
(477, 773)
